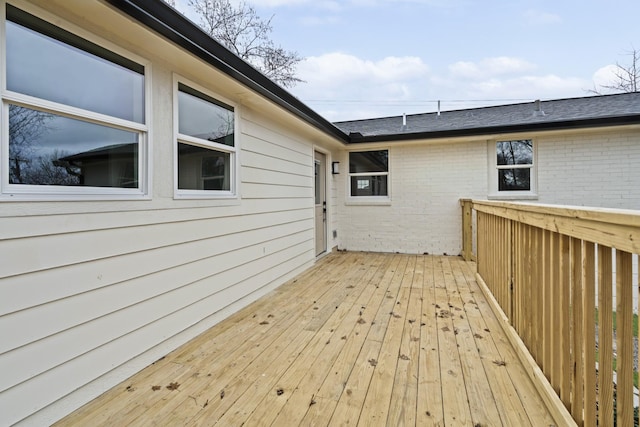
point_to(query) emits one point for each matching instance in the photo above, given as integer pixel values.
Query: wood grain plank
(589, 327)
(605, 336)
(454, 395)
(356, 388)
(244, 386)
(335, 381)
(429, 409)
(624, 337)
(577, 333)
(377, 404)
(402, 409)
(346, 318)
(482, 402)
(517, 401)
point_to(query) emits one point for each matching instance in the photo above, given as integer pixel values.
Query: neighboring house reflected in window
(110, 166)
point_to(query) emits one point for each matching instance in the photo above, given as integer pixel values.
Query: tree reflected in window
(514, 162)
(47, 149)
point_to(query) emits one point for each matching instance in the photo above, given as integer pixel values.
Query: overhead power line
(412, 102)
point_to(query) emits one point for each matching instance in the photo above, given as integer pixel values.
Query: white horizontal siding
(31, 254)
(274, 134)
(98, 218)
(266, 161)
(122, 284)
(252, 175)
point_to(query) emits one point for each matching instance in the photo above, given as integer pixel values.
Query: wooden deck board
(359, 339)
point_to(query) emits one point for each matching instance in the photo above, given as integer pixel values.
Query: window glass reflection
(514, 152)
(203, 169)
(44, 67)
(514, 179)
(369, 161)
(318, 183)
(374, 185)
(204, 118)
(47, 149)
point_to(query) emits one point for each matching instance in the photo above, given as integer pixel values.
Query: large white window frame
(216, 148)
(495, 169)
(15, 192)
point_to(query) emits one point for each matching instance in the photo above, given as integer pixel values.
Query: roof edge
(174, 26)
(519, 128)
(488, 107)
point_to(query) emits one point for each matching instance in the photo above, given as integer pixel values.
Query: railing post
(467, 230)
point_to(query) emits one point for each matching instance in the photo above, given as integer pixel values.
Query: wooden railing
(562, 276)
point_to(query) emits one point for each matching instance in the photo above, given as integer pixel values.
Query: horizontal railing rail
(565, 279)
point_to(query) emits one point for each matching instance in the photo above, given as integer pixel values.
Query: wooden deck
(359, 339)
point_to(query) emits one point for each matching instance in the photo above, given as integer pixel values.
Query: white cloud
(536, 17)
(344, 87)
(340, 67)
(320, 4)
(318, 21)
(490, 67)
(530, 87)
(605, 76)
(444, 3)
(336, 5)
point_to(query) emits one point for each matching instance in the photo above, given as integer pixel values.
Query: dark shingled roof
(543, 115)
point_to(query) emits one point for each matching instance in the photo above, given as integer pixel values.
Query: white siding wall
(427, 182)
(91, 292)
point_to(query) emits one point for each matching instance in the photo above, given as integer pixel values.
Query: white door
(321, 202)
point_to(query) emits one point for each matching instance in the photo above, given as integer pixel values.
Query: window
(514, 169)
(368, 173)
(206, 146)
(75, 114)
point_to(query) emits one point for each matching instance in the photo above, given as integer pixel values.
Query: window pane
(201, 118)
(43, 67)
(514, 152)
(369, 161)
(375, 185)
(318, 184)
(46, 149)
(203, 169)
(514, 179)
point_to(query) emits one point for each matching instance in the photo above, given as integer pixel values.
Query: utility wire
(415, 102)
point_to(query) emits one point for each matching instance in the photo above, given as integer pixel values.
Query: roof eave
(172, 25)
(492, 130)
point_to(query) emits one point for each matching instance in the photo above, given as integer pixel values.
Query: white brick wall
(601, 169)
(424, 216)
(588, 169)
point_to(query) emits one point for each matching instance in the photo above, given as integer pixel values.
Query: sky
(380, 58)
